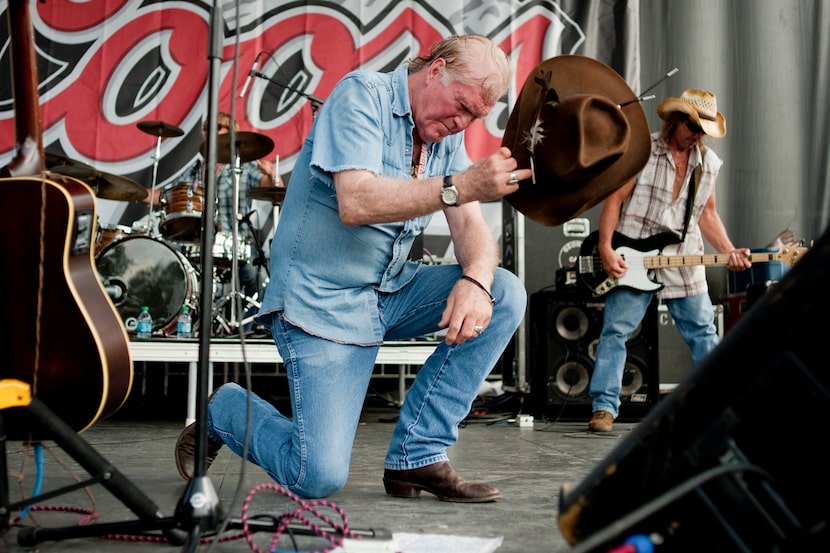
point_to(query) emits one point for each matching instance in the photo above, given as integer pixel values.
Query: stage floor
(528, 464)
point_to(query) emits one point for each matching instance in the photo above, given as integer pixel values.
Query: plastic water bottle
(144, 326)
(184, 325)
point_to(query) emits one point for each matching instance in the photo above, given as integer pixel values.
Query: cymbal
(159, 128)
(274, 195)
(105, 185)
(249, 146)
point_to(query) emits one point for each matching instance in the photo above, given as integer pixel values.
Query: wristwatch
(449, 193)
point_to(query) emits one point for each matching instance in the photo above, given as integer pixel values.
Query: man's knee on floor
(321, 483)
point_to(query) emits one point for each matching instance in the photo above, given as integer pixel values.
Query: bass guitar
(61, 334)
(643, 255)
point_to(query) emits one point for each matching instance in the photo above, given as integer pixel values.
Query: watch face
(449, 196)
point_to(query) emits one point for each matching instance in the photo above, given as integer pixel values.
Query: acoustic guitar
(643, 255)
(61, 333)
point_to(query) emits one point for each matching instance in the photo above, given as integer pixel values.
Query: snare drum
(223, 249)
(221, 252)
(148, 272)
(107, 234)
(182, 221)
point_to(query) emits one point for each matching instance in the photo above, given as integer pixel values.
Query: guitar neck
(29, 158)
(709, 260)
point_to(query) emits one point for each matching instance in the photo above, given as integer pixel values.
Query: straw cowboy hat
(582, 131)
(701, 106)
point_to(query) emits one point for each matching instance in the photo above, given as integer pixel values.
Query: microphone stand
(315, 101)
(199, 508)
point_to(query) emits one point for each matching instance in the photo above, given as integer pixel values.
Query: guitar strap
(694, 180)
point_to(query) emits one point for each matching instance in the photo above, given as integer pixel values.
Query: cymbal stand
(223, 325)
(152, 229)
(228, 325)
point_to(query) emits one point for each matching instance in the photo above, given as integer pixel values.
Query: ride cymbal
(105, 185)
(249, 146)
(159, 128)
(274, 195)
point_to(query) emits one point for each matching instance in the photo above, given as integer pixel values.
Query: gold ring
(513, 178)
(478, 329)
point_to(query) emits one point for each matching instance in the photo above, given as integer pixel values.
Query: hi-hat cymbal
(105, 185)
(159, 128)
(274, 195)
(249, 146)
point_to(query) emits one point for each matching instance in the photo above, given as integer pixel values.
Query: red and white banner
(106, 65)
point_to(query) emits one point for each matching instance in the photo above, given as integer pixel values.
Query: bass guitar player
(673, 194)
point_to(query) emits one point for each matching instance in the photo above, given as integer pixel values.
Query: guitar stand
(150, 523)
(17, 394)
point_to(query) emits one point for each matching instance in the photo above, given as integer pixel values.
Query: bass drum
(107, 234)
(138, 271)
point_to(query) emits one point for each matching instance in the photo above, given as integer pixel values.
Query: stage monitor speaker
(564, 331)
(728, 461)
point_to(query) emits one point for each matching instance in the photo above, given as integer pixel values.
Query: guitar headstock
(790, 255)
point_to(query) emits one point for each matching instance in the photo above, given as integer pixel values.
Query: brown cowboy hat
(701, 106)
(582, 131)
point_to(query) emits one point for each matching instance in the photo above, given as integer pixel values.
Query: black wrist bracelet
(480, 285)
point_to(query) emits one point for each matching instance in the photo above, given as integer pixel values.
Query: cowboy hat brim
(552, 201)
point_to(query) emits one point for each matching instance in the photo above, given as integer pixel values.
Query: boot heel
(400, 489)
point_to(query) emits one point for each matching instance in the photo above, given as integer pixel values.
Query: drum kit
(140, 265)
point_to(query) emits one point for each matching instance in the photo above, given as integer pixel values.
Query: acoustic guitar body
(60, 333)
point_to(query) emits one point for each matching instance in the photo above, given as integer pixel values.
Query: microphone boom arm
(315, 101)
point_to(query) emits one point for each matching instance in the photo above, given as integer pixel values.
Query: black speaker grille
(564, 330)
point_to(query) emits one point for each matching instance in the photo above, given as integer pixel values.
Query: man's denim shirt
(326, 276)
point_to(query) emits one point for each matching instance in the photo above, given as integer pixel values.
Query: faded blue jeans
(623, 312)
(310, 453)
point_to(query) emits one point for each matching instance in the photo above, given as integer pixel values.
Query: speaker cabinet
(728, 461)
(565, 329)
(542, 256)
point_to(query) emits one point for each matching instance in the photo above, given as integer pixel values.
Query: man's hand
(468, 307)
(739, 259)
(613, 263)
(491, 178)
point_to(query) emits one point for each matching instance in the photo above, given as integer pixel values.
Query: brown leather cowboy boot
(441, 480)
(186, 452)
